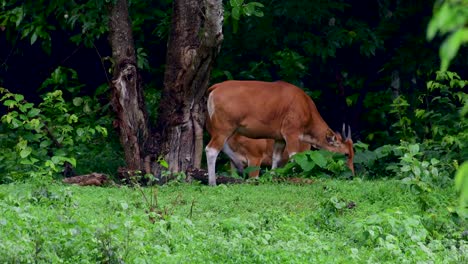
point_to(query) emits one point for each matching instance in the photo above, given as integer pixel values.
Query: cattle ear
(332, 139)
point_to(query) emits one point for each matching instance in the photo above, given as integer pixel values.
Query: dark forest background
(365, 63)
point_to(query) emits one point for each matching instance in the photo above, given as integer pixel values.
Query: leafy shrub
(292, 66)
(375, 163)
(65, 128)
(239, 9)
(433, 135)
(313, 163)
(395, 236)
(44, 138)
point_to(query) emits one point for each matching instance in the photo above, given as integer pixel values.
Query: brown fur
(271, 110)
(257, 152)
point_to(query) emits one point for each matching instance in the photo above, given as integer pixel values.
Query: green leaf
(419, 113)
(45, 143)
(16, 123)
(417, 171)
(77, 101)
(163, 162)
(248, 9)
(29, 161)
(461, 185)
(102, 130)
(236, 3)
(405, 168)
(23, 117)
(28, 105)
(10, 103)
(23, 108)
(303, 161)
(25, 152)
(72, 119)
(438, 21)
(449, 49)
(56, 159)
(101, 89)
(33, 112)
(256, 12)
(236, 12)
(22, 144)
(33, 38)
(318, 159)
(414, 148)
(432, 28)
(72, 161)
(19, 15)
(19, 97)
(51, 165)
(461, 178)
(7, 119)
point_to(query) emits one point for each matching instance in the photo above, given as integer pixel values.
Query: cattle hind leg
(212, 150)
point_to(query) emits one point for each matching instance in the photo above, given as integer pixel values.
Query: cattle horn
(343, 131)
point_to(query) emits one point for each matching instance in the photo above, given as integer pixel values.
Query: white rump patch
(211, 108)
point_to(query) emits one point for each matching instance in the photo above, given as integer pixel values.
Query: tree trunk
(395, 84)
(194, 42)
(193, 45)
(127, 97)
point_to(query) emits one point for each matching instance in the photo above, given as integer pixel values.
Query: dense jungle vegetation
(395, 71)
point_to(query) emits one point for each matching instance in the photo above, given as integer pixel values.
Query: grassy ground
(329, 221)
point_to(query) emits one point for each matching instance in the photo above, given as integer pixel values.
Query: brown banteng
(247, 152)
(273, 110)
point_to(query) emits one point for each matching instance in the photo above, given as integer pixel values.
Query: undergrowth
(329, 221)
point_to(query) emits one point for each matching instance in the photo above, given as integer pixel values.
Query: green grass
(330, 221)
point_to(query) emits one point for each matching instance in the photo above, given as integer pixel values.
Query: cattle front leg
(292, 145)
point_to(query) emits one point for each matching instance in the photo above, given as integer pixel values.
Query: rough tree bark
(127, 97)
(194, 42)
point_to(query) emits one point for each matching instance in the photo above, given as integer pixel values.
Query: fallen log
(93, 179)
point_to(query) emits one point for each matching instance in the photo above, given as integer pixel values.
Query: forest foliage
(393, 70)
(369, 64)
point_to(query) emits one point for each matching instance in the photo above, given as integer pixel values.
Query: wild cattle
(270, 110)
(247, 152)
